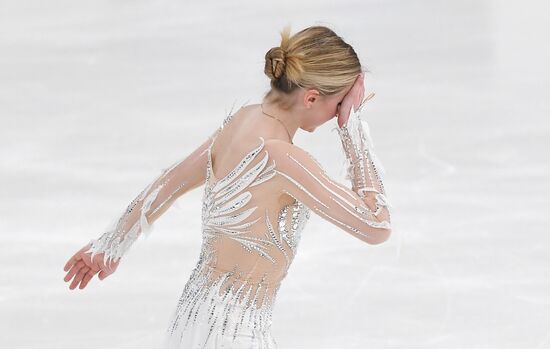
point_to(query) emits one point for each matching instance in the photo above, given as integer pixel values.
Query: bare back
(268, 244)
(240, 136)
(259, 191)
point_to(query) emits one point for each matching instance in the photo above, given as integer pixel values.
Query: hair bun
(275, 61)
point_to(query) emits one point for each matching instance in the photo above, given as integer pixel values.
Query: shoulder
(278, 147)
(234, 114)
(227, 118)
(286, 154)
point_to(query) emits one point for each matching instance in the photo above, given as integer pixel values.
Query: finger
(95, 268)
(96, 261)
(90, 262)
(79, 277)
(73, 282)
(108, 268)
(345, 109)
(72, 261)
(354, 96)
(358, 81)
(105, 264)
(112, 265)
(340, 122)
(76, 257)
(102, 275)
(345, 115)
(102, 262)
(75, 268)
(89, 275)
(107, 272)
(361, 91)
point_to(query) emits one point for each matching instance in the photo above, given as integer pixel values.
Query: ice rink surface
(97, 97)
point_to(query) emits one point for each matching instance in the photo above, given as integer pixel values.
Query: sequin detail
(247, 250)
(237, 303)
(121, 234)
(363, 164)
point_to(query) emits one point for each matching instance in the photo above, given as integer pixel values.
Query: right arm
(362, 163)
(361, 210)
(306, 181)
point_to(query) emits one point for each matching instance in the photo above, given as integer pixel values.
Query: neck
(288, 117)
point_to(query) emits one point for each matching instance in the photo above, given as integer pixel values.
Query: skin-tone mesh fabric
(252, 219)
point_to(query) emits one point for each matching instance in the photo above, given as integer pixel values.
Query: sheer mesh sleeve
(363, 165)
(306, 181)
(181, 177)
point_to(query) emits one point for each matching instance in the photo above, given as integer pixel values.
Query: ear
(310, 97)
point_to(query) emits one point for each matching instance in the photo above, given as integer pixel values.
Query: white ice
(97, 97)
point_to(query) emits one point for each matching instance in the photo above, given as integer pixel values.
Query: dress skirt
(208, 318)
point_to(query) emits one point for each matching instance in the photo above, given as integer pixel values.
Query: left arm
(181, 177)
(155, 199)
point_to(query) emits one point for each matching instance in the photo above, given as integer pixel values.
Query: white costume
(248, 245)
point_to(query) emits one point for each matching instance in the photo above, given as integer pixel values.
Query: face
(322, 108)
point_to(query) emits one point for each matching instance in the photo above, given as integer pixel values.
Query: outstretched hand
(354, 97)
(83, 268)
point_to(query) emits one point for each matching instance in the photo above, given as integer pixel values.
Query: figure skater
(259, 190)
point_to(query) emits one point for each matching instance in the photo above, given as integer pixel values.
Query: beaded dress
(249, 235)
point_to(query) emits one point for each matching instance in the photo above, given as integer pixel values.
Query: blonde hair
(313, 58)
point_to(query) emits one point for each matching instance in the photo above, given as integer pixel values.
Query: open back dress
(253, 214)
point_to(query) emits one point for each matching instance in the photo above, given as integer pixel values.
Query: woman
(259, 189)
